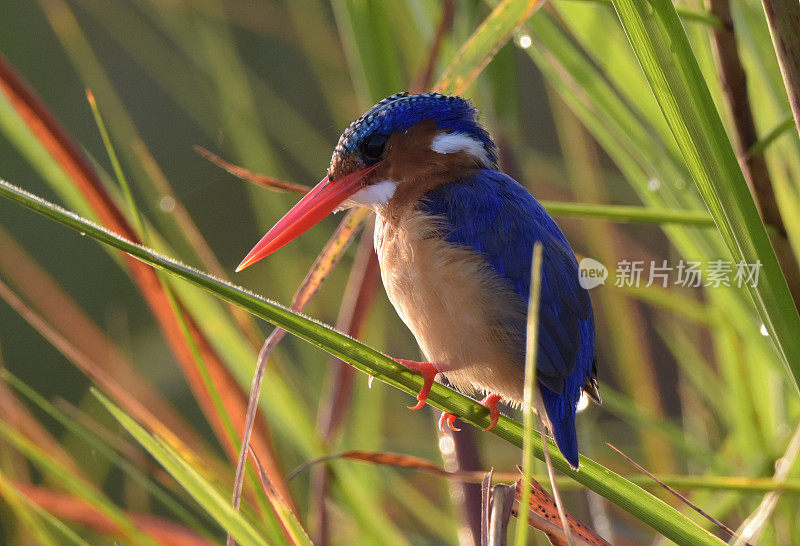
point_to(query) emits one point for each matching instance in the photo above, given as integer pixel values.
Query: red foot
(448, 418)
(491, 402)
(428, 372)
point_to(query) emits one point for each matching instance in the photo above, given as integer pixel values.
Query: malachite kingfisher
(454, 238)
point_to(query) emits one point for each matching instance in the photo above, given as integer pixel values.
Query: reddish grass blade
(291, 526)
(405, 461)
(544, 512)
(543, 515)
(258, 179)
(103, 360)
(79, 511)
(70, 157)
(95, 371)
(14, 413)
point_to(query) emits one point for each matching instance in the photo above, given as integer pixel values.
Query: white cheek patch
(449, 143)
(373, 196)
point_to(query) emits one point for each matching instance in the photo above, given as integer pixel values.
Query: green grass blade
(141, 231)
(686, 13)
(198, 487)
(625, 213)
(772, 135)
(656, 35)
(28, 511)
(74, 484)
(528, 415)
(134, 211)
(290, 522)
(24, 511)
(104, 449)
(476, 52)
(371, 52)
(618, 490)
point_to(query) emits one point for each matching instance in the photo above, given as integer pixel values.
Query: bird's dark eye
(372, 150)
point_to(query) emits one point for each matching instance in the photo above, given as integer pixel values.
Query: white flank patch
(449, 143)
(373, 196)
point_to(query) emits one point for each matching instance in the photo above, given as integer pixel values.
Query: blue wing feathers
(496, 216)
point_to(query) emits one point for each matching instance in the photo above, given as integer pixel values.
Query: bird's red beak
(313, 207)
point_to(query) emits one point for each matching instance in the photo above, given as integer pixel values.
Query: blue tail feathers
(561, 406)
(561, 414)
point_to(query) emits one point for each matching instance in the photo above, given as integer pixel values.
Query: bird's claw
(491, 403)
(428, 372)
(449, 419)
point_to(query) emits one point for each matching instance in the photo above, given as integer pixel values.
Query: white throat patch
(449, 143)
(373, 196)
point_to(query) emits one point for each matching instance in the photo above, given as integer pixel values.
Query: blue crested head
(401, 111)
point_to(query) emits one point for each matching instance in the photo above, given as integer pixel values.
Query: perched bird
(455, 238)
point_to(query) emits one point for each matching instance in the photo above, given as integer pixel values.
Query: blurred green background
(691, 386)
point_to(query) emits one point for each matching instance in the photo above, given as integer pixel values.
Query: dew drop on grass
(524, 40)
(167, 204)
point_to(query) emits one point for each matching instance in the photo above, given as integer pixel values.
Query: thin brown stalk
(730, 533)
(754, 166)
(292, 530)
(783, 18)
(75, 164)
(562, 513)
(269, 490)
(267, 182)
(324, 264)
(79, 511)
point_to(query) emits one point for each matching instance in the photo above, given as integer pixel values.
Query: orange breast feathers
(467, 322)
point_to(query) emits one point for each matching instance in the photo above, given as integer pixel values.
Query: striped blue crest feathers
(401, 111)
